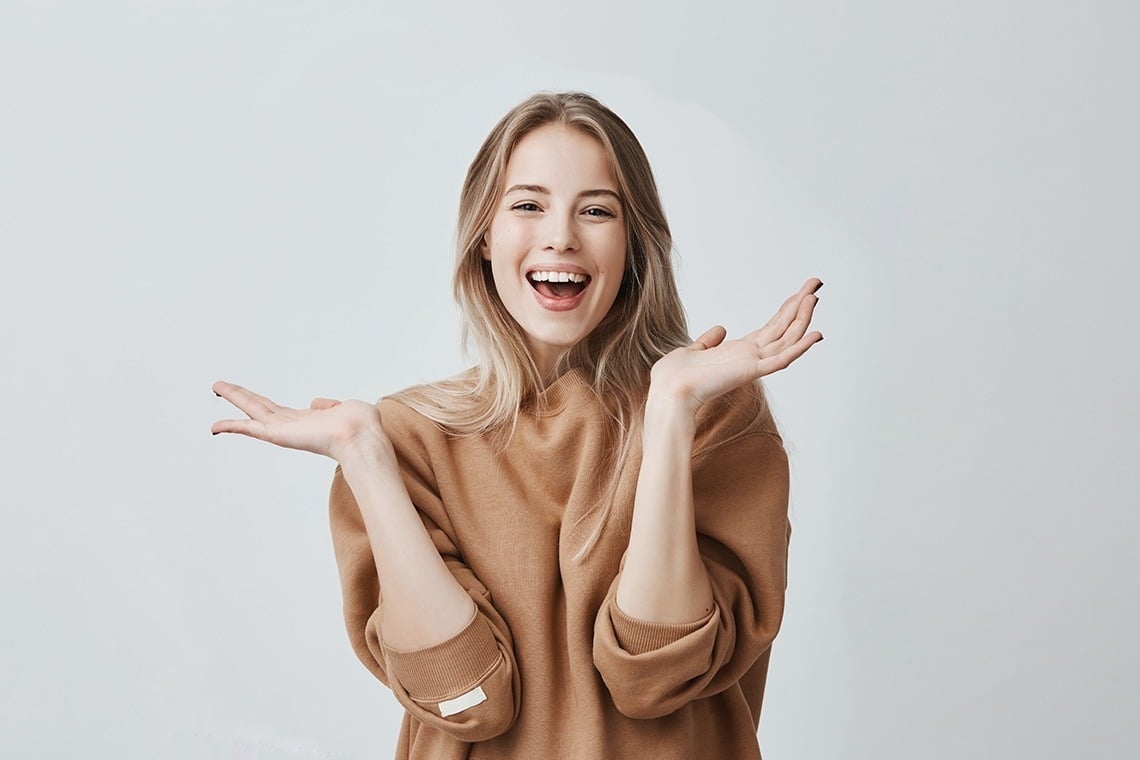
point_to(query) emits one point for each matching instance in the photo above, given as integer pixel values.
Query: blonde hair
(646, 321)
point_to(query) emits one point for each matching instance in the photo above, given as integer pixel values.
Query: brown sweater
(549, 666)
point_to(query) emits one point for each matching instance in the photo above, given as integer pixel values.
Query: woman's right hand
(329, 427)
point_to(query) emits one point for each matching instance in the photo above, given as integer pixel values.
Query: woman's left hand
(695, 374)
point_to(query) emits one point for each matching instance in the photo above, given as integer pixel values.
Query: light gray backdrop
(266, 192)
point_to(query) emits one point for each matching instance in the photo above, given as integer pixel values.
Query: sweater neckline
(565, 386)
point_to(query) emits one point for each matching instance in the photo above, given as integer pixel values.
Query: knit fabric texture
(549, 666)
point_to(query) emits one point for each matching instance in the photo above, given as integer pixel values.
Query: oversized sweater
(549, 666)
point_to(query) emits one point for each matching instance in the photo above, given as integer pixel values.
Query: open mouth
(558, 290)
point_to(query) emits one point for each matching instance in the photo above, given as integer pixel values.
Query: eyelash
(519, 207)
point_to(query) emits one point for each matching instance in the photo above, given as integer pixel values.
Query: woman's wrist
(368, 448)
(669, 415)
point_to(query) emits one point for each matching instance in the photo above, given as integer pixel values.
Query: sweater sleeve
(467, 686)
(740, 496)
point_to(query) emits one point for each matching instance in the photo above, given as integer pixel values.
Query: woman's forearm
(423, 603)
(664, 579)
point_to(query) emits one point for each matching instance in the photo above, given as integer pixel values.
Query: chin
(558, 342)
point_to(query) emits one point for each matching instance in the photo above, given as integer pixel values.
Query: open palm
(325, 428)
(711, 366)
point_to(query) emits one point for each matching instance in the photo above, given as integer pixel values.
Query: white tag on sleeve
(462, 702)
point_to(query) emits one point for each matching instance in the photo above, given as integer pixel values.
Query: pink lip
(559, 304)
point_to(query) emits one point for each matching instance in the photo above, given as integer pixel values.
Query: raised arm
(699, 595)
(416, 615)
(434, 637)
(423, 603)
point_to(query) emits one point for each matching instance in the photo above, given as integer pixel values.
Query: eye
(520, 207)
(603, 211)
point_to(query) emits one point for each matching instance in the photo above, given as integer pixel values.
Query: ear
(485, 248)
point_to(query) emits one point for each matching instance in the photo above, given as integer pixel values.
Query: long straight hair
(645, 322)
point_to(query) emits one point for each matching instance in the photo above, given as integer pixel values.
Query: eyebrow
(544, 191)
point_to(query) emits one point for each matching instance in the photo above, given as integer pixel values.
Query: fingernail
(215, 432)
(217, 394)
(817, 287)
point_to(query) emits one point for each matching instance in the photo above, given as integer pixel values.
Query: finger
(785, 357)
(795, 330)
(256, 406)
(776, 327)
(323, 403)
(710, 338)
(778, 324)
(251, 428)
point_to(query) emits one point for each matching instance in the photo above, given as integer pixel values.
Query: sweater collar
(568, 385)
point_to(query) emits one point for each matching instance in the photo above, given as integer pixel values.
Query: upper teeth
(557, 276)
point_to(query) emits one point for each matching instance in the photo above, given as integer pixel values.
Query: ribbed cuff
(640, 636)
(448, 668)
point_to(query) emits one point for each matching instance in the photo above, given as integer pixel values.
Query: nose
(561, 233)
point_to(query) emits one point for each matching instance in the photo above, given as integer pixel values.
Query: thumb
(323, 403)
(710, 338)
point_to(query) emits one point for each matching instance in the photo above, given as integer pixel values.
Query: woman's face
(560, 213)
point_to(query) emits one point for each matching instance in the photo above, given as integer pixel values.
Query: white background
(265, 193)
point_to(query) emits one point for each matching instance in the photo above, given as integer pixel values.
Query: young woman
(576, 548)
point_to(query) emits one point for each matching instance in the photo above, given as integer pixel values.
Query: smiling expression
(561, 211)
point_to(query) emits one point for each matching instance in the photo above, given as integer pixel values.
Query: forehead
(556, 155)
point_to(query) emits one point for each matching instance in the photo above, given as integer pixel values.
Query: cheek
(503, 232)
(614, 256)
(510, 236)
